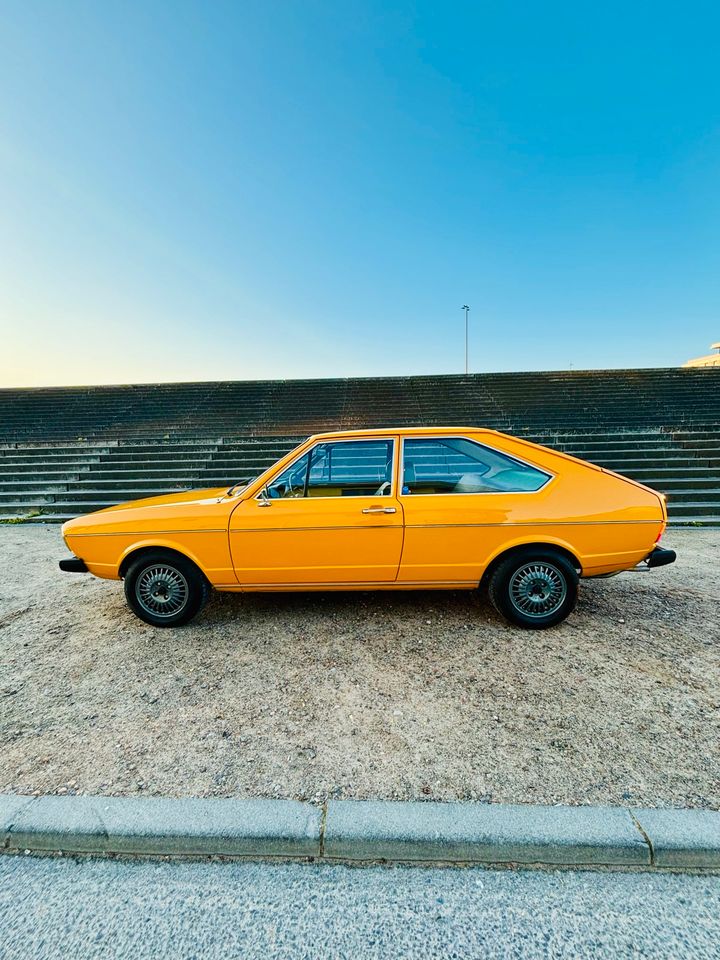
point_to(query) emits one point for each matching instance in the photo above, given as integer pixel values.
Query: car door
(461, 499)
(330, 517)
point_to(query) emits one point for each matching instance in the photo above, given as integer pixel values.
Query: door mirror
(264, 500)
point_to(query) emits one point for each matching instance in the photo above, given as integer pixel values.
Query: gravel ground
(406, 696)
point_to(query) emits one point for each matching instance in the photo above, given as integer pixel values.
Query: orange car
(403, 509)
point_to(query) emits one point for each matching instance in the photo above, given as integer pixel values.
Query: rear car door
(460, 500)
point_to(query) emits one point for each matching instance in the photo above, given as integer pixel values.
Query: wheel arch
(138, 549)
(557, 546)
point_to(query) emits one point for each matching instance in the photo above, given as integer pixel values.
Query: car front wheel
(534, 589)
(165, 589)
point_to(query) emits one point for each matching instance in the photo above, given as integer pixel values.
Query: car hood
(176, 507)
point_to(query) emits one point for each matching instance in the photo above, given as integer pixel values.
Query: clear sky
(202, 190)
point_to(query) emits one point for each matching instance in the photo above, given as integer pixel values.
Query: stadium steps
(64, 451)
(48, 489)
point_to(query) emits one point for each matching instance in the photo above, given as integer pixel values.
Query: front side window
(459, 465)
(351, 468)
(290, 483)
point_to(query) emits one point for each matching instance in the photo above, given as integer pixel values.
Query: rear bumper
(73, 565)
(659, 557)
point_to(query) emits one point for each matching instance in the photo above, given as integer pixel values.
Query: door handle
(379, 510)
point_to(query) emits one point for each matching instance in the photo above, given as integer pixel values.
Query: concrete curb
(155, 825)
(490, 833)
(364, 830)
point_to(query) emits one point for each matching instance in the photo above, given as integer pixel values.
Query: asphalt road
(104, 908)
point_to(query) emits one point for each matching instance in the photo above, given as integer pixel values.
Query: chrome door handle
(379, 510)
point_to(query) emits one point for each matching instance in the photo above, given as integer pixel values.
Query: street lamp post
(466, 308)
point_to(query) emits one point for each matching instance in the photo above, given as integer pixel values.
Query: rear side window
(459, 465)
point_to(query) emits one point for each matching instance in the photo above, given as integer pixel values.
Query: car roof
(394, 431)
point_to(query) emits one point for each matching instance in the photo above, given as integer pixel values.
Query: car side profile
(393, 509)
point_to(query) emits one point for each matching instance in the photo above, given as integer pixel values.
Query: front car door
(331, 517)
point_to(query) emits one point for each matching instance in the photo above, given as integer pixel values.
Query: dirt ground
(406, 696)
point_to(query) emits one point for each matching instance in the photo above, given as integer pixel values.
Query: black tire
(165, 589)
(534, 588)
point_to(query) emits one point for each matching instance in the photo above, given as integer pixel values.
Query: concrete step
(154, 463)
(595, 454)
(517, 424)
(159, 453)
(174, 472)
(78, 503)
(626, 443)
(696, 520)
(99, 470)
(682, 436)
(592, 434)
(689, 510)
(625, 465)
(33, 454)
(39, 498)
(57, 462)
(238, 460)
(660, 480)
(653, 477)
(50, 475)
(707, 495)
(180, 464)
(33, 487)
(175, 469)
(109, 472)
(157, 456)
(42, 469)
(21, 508)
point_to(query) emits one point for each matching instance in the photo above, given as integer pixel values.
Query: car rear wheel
(534, 589)
(165, 589)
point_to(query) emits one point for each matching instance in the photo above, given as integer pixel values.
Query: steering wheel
(383, 489)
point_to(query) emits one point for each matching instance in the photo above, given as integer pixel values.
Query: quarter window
(352, 468)
(459, 465)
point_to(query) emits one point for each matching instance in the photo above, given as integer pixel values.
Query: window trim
(393, 480)
(476, 493)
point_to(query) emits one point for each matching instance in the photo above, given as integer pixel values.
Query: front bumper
(73, 565)
(659, 557)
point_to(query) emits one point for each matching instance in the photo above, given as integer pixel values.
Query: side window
(351, 468)
(291, 482)
(459, 465)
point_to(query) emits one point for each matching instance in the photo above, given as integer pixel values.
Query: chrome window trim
(478, 493)
(393, 482)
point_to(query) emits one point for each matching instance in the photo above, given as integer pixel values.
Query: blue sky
(278, 189)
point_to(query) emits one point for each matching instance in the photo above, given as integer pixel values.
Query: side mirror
(264, 498)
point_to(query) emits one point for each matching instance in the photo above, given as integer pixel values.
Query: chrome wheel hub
(162, 591)
(537, 589)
